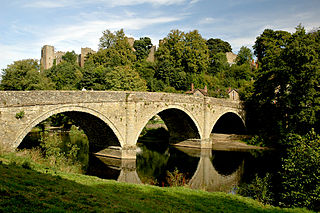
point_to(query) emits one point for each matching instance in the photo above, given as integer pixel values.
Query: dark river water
(159, 163)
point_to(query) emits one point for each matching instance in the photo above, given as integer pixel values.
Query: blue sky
(27, 25)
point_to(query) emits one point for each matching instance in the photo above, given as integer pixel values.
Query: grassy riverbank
(29, 187)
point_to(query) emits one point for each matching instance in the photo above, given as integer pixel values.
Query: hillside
(29, 187)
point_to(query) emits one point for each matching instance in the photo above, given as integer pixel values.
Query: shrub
(176, 178)
(259, 189)
(300, 172)
(20, 115)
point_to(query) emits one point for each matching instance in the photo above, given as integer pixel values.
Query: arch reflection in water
(202, 168)
(209, 178)
(113, 168)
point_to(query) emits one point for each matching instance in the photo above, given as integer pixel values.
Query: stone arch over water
(179, 121)
(229, 122)
(100, 131)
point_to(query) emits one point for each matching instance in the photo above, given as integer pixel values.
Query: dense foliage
(283, 108)
(300, 173)
(182, 58)
(286, 96)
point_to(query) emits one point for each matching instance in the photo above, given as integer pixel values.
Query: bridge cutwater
(113, 120)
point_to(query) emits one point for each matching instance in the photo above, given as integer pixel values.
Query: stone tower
(47, 57)
(84, 53)
(130, 41)
(150, 57)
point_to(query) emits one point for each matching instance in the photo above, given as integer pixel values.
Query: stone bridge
(116, 118)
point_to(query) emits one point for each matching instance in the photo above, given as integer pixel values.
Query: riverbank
(29, 187)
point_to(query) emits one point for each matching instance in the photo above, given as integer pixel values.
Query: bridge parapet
(27, 98)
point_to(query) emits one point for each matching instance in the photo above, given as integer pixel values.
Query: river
(161, 164)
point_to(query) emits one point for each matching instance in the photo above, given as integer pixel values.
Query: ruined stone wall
(231, 58)
(84, 54)
(58, 56)
(151, 57)
(47, 56)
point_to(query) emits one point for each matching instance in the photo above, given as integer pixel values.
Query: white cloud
(194, 1)
(208, 20)
(48, 4)
(109, 3)
(137, 2)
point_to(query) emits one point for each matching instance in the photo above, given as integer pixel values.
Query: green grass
(29, 187)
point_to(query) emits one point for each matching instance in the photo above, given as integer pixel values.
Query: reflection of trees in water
(208, 178)
(183, 162)
(227, 162)
(151, 164)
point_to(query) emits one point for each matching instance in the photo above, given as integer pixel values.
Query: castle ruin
(49, 57)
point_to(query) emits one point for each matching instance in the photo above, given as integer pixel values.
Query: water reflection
(151, 166)
(205, 169)
(112, 168)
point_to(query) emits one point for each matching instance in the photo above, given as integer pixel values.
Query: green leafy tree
(65, 75)
(70, 57)
(142, 48)
(107, 39)
(179, 56)
(218, 63)
(115, 50)
(195, 54)
(93, 77)
(269, 46)
(300, 172)
(216, 45)
(124, 78)
(24, 75)
(286, 94)
(244, 56)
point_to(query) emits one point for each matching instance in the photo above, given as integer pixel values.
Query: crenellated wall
(107, 116)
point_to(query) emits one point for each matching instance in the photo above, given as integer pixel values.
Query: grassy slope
(39, 189)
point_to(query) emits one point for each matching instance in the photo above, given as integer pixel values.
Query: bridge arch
(228, 121)
(189, 122)
(71, 110)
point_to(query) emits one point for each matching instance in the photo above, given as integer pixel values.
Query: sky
(27, 25)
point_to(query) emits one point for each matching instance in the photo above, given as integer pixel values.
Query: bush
(259, 189)
(300, 172)
(176, 178)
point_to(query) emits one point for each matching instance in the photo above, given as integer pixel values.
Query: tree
(107, 39)
(196, 53)
(65, 75)
(70, 57)
(124, 78)
(269, 46)
(217, 57)
(142, 48)
(93, 77)
(244, 56)
(216, 45)
(300, 172)
(286, 94)
(218, 63)
(115, 50)
(179, 56)
(24, 75)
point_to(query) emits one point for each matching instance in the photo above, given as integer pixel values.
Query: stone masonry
(113, 118)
